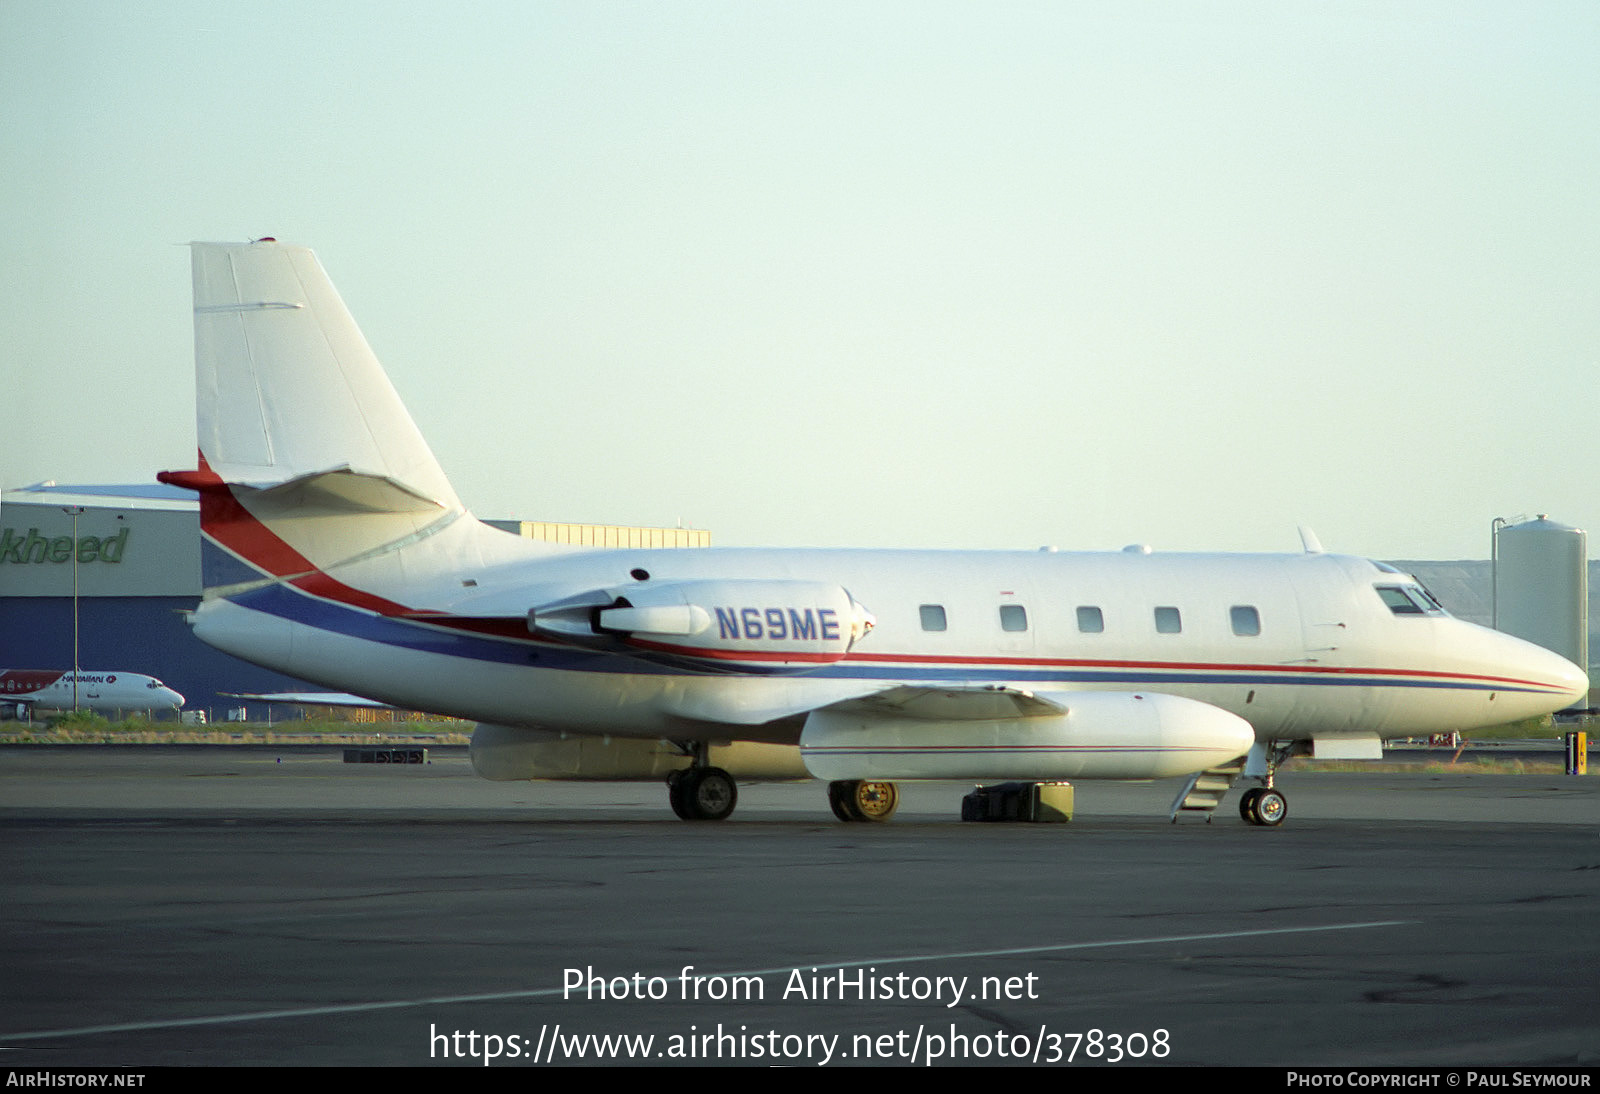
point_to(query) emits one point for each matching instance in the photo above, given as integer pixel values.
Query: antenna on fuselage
(1309, 540)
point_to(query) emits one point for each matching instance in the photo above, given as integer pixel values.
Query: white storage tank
(1541, 585)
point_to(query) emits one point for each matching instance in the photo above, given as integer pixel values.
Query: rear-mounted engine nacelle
(775, 626)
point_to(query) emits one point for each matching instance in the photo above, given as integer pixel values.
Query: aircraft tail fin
(309, 462)
(287, 385)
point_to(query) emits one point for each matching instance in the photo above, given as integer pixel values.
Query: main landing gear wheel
(702, 793)
(863, 800)
(675, 795)
(1264, 806)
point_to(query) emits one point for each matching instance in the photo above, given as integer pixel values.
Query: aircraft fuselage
(337, 551)
(1298, 645)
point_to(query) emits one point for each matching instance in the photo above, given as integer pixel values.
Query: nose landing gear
(1264, 806)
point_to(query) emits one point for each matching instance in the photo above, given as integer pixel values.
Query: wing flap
(866, 699)
(953, 703)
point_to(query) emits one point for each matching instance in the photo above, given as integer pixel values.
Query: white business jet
(336, 551)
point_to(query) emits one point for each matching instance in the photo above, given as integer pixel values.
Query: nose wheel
(1264, 806)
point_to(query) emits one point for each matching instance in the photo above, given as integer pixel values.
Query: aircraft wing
(311, 699)
(978, 702)
(951, 702)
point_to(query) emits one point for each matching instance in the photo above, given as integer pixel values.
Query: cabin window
(932, 617)
(1013, 617)
(1168, 621)
(1246, 620)
(1090, 621)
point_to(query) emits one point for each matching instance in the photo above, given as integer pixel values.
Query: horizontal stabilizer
(337, 491)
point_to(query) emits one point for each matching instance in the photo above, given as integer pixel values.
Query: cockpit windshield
(1409, 600)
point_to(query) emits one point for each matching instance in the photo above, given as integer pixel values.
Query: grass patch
(1467, 765)
(1542, 727)
(88, 728)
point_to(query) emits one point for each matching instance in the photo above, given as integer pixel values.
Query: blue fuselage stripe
(404, 634)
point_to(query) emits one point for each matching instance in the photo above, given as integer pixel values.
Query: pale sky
(879, 274)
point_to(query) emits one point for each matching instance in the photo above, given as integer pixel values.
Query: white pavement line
(541, 993)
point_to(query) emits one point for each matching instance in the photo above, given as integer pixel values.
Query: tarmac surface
(246, 905)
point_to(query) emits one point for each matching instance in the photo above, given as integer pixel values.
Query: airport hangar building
(134, 552)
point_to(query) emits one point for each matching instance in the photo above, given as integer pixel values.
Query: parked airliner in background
(336, 551)
(102, 692)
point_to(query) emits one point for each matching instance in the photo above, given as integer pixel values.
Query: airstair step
(1205, 789)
